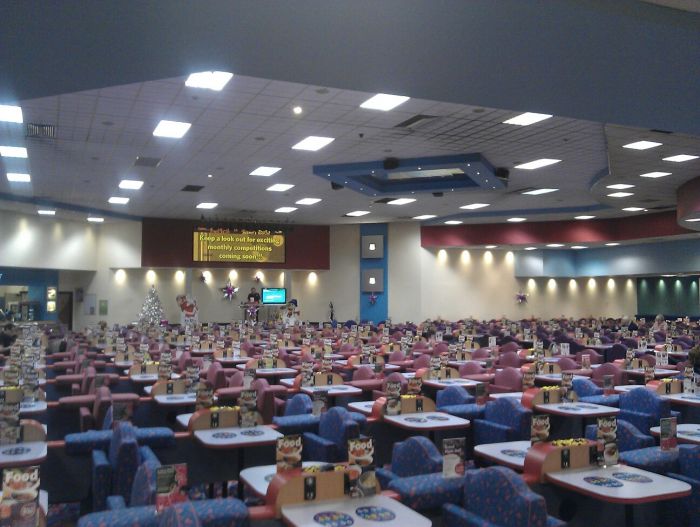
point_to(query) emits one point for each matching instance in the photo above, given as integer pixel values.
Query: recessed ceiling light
(620, 186)
(633, 209)
(516, 220)
(612, 244)
(210, 80)
(475, 206)
(118, 200)
(424, 217)
(584, 217)
(44, 212)
(642, 145)
(491, 246)
(308, 201)
(655, 174)
(538, 163)
(313, 143)
(691, 220)
(10, 114)
(265, 171)
(95, 219)
(18, 178)
(384, 102)
(297, 110)
(210, 175)
(279, 187)
(579, 247)
(539, 191)
(356, 213)
(527, 118)
(286, 209)
(13, 151)
(680, 158)
(555, 245)
(400, 201)
(172, 129)
(131, 184)
(530, 248)
(620, 194)
(207, 205)
(453, 222)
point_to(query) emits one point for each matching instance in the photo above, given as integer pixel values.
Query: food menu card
(288, 452)
(539, 431)
(453, 452)
(20, 497)
(171, 483)
(361, 478)
(10, 429)
(393, 398)
(607, 441)
(668, 433)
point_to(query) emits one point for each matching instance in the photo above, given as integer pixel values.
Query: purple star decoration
(372, 299)
(229, 291)
(521, 298)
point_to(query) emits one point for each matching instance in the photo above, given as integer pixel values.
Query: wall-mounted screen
(274, 295)
(238, 245)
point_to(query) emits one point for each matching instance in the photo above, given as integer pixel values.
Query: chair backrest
(179, 515)
(566, 363)
(508, 347)
(509, 358)
(439, 348)
(481, 353)
(143, 490)
(216, 375)
(414, 456)
(299, 404)
(453, 395)
(596, 358)
(509, 412)
(644, 401)
(689, 460)
(509, 377)
(363, 373)
(337, 426)
(184, 361)
(88, 378)
(470, 368)
(608, 368)
(501, 497)
(395, 377)
(422, 361)
(103, 400)
(236, 380)
(618, 351)
(649, 359)
(124, 458)
(586, 388)
(396, 356)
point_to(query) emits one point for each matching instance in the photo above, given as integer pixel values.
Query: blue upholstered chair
(297, 417)
(416, 455)
(330, 444)
(628, 437)
(498, 497)
(180, 515)
(643, 408)
(143, 490)
(652, 459)
(113, 471)
(505, 419)
(85, 442)
(589, 392)
(456, 401)
(685, 511)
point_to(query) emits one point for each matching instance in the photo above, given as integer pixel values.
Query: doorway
(65, 308)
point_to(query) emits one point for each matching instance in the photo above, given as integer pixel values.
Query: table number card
(688, 384)
(648, 373)
(170, 483)
(248, 377)
(481, 393)
(438, 336)
(453, 453)
(668, 433)
(414, 386)
(565, 348)
(393, 398)
(492, 342)
(586, 361)
(539, 430)
(204, 396)
(528, 379)
(307, 373)
(319, 402)
(567, 381)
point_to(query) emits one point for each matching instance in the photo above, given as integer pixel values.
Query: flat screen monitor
(274, 295)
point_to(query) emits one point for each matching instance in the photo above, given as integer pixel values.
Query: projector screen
(274, 295)
(238, 245)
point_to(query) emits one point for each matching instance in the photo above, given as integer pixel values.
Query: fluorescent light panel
(118, 200)
(265, 171)
(15, 177)
(584, 217)
(279, 187)
(555, 245)
(10, 114)
(45, 212)
(424, 217)
(453, 222)
(401, 201)
(286, 210)
(538, 163)
(530, 248)
(95, 219)
(539, 191)
(308, 201)
(173, 129)
(384, 102)
(620, 194)
(655, 174)
(356, 213)
(691, 220)
(313, 143)
(680, 158)
(474, 206)
(130, 184)
(491, 246)
(633, 209)
(516, 220)
(612, 244)
(207, 205)
(642, 145)
(13, 151)
(620, 186)
(579, 247)
(527, 118)
(210, 80)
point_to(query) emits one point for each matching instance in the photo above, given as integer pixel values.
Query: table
(35, 407)
(364, 407)
(658, 372)
(184, 420)
(176, 399)
(23, 454)
(439, 384)
(270, 372)
(458, 363)
(506, 395)
(397, 514)
(577, 409)
(613, 484)
(686, 432)
(510, 454)
(232, 361)
(333, 390)
(554, 377)
(149, 378)
(427, 422)
(258, 478)
(689, 399)
(237, 437)
(627, 387)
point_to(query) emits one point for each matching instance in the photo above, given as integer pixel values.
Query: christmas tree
(152, 310)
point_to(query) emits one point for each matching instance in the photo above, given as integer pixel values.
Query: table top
(427, 421)
(506, 395)
(236, 437)
(232, 361)
(444, 383)
(184, 420)
(458, 363)
(20, 382)
(334, 390)
(258, 478)
(556, 377)
(364, 407)
(686, 432)
(577, 409)
(690, 399)
(360, 512)
(628, 387)
(408, 374)
(35, 407)
(620, 484)
(270, 372)
(22, 454)
(510, 453)
(179, 399)
(658, 372)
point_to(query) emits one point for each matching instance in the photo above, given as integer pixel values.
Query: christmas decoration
(229, 291)
(152, 310)
(521, 298)
(372, 299)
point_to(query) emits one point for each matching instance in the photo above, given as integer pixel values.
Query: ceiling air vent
(415, 121)
(150, 162)
(41, 131)
(192, 188)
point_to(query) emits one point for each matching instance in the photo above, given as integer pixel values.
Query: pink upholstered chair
(422, 361)
(392, 377)
(365, 379)
(509, 359)
(509, 347)
(507, 380)
(608, 368)
(471, 368)
(596, 358)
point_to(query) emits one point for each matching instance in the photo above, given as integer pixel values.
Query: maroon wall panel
(168, 243)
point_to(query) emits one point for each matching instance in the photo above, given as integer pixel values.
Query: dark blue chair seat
(427, 491)
(652, 459)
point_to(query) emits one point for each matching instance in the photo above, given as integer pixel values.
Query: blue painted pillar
(380, 309)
